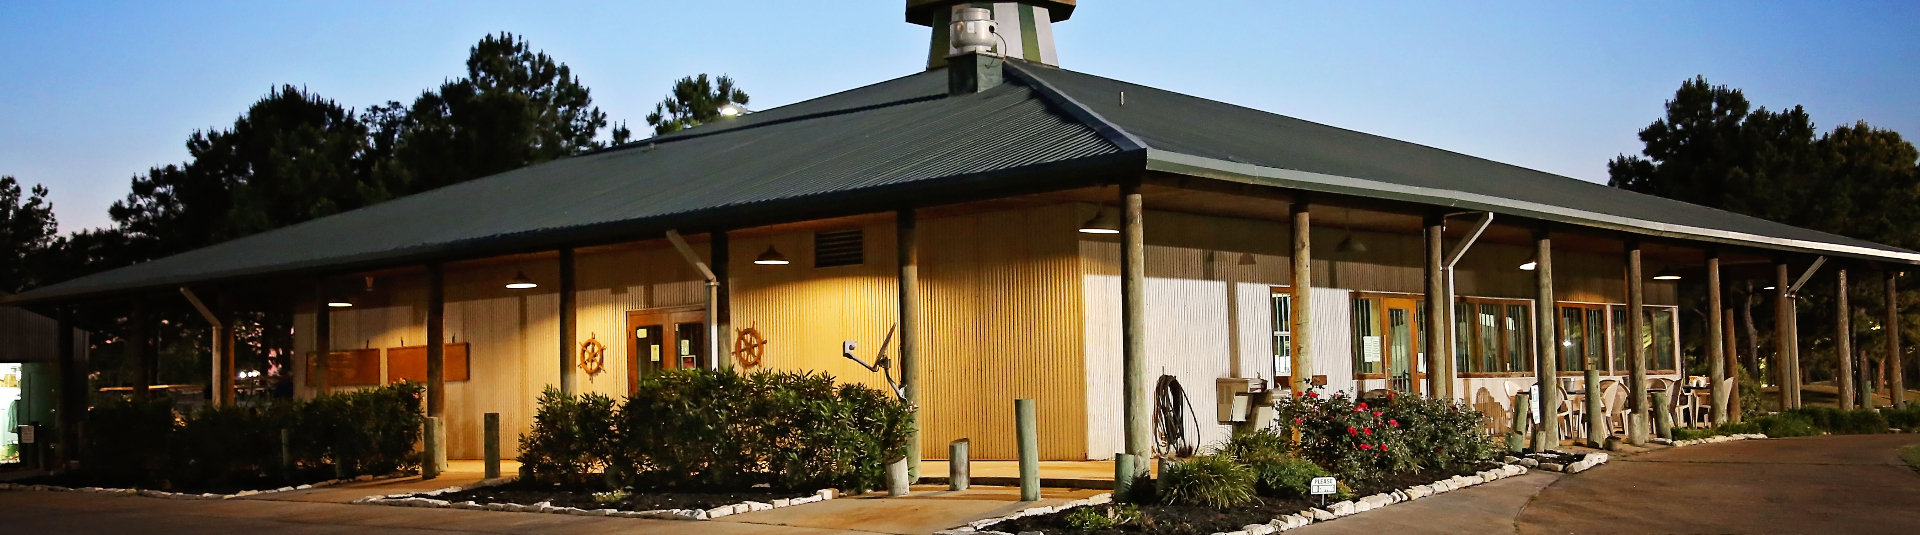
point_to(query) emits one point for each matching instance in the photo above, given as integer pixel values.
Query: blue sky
(94, 93)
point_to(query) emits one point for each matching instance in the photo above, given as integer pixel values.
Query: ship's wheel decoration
(748, 346)
(593, 356)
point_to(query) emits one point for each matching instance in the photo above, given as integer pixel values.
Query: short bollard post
(1662, 415)
(897, 484)
(1637, 429)
(958, 466)
(492, 445)
(1522, 422)
(1122, 476)
(1029, 450)
(429, 470)
(1596, 422)
(286, 453)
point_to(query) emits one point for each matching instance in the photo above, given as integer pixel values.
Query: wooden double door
(664, 339)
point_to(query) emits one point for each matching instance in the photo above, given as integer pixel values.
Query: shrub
(1839, 422)
(126, 442)
(1097, 518)
(728, 430)
(1907, 420)
(572, 437)
(1440, 433)
(1286, 477)
(1750, 393)
(1207, 480)
(1364, 441)
(1786, 424)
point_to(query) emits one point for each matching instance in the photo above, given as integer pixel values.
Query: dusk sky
(95, 93)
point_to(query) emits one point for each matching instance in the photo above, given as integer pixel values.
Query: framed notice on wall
(410, 363)
(353, 367)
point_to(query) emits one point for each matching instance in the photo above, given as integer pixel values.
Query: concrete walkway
(1488, 508)
(1832, 484)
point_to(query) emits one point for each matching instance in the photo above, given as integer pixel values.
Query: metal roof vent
(973, 31)
(975, 67)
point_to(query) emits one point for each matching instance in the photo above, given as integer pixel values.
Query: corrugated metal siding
(1003, 305)
(1333, 337)
(806, 312)
(27, 337)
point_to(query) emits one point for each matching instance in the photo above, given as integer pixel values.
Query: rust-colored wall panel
(410, 364)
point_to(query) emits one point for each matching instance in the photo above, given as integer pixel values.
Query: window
(838, 248)
(1519, 354)
(1619, 339)
(1282, 333)
(1366, 337)
(1660, 343)
(1494, 336)
(1583, 330)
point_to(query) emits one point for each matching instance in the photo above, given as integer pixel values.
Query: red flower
(1376, 414)
(1369, 430)
(1313, 395)
(1366, 446)
(1389, 394)
(1395, 423)
(1352, 431)
(1363, 406)
(1297, 421)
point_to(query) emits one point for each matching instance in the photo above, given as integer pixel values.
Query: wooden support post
(719, 256)
(223, 351)
(1636, 352)
(1301, 306)
(1716, 358)
(1029, 450)
(1793, 351)
(1137, 409)
(569, 322)
(491, 448)
(1782, 335)
(960, 467)
(1596, 422)
(70, 406)
(1843, 339)
(137, 344)
(1893, 363)
(286, 454)
(1436, 341)
(1730, 338)
(322, 339)
(436, 363)
(907, 249)
(1546, 367)
(1865, 384)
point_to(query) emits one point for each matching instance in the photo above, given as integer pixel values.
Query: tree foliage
(694, 101)
(27, 231)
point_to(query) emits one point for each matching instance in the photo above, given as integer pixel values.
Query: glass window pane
(1620, 347)
(1489, 339)
(1662, 357)
(1282, 335)
(1519, 339)
(1463, 335)
(1400, 332)
(1596, 337)
(1366, 336)
(1573, 342)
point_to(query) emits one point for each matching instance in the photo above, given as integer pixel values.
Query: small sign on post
(1322, 486)
(26, 434)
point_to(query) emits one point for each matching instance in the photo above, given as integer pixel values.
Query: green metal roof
(905, 142)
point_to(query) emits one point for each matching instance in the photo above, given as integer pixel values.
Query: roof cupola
(1026, 27)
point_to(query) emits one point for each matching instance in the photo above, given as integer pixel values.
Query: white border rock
(1718, 438)
(420, 499)
(1303, 518)
(150, 493)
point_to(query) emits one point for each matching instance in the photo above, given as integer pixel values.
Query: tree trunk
(1753, 334)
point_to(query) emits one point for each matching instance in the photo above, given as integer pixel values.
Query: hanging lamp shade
(339, 302)
(1246, 259)
(1103, 222)
(771, 258)
(1350, 245)
(521, 282)
(1531, 263)
(1667, 274)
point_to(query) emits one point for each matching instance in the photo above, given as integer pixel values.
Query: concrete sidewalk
(458, 473)
(1486, 508)
(928, 509)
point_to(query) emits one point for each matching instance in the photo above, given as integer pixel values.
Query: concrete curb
(1710, 440)
(1286, 522)
(190, 496)
(424, 499)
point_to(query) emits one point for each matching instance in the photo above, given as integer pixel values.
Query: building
(29, 380)
(1028, 231)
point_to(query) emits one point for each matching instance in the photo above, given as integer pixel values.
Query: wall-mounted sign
(593, 356)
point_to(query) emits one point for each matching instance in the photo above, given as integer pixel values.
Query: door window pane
(1282, 335)
(690, 338)
(1400, 330)
(1366, 336)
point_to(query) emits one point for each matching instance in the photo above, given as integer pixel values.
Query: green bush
(572, 437)
(1096, 518)
(1286, 477)
(1363, 441)
(724, 430)
(1786, 424)
(133, 444)
(1207, 480)
(1839, 422)
(1750, 393)
(1906, 420)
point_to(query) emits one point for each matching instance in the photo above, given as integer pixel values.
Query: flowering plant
(1367, 439)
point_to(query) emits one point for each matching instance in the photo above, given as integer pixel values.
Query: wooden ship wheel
(748, 346)
(593, 356)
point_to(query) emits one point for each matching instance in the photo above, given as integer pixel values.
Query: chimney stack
(1023, 30)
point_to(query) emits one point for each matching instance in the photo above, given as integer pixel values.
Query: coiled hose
(1170, 429)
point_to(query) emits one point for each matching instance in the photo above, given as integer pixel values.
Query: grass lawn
(1911, 455)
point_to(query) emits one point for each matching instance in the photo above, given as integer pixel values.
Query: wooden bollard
(1662, 415)
(428, 468)
(1596, 423)
(1122, 476)
(492, 446)
(1522, 422)
(958, 465)
(1028, 434)
(286, 454)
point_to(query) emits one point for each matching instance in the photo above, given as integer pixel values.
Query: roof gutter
(1186, 164)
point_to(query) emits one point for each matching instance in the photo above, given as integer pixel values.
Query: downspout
(215, 320)
(1453, 258)
(713, 297)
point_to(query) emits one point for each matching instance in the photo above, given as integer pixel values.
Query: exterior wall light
(1532, 262)
(1103, 222)
(771, 258)
(1666, 274)
(521, 282)
(732, 110)
(339, 302)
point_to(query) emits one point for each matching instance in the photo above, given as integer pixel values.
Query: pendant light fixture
(1667, 274)
(339, 302)
(521, 282)
(1350, 245)
(1531, 263)
(771, 258)
(1246, 259)
(1103, 222)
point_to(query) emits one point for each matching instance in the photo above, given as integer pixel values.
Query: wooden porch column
(1899, 398)
(1865, 384)
(907, 249)
(1732, 366)
(1782, 334)
(1137, 400)
(720, 254)
(569, 318)
(1716, 347)
(1436, 342)
(436, 353)
(1636, 351)
(224, 351)
(322, 339)
(71, 403)
(1546, 368)
(1301, 309)
(137, 342)
(1843, 339)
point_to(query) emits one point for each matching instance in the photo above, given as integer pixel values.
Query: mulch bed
(527, 493)
(1199, 520)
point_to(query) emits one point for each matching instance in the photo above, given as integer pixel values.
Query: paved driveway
(1834, 484)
